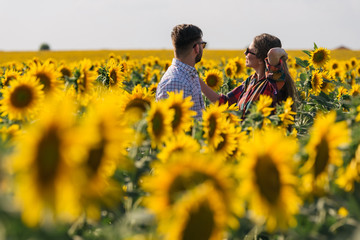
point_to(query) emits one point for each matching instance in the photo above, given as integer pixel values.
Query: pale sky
(147, 24)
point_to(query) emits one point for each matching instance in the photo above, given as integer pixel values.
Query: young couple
(264, 55)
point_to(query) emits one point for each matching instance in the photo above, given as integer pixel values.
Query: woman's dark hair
(262, 44)
(183, 37)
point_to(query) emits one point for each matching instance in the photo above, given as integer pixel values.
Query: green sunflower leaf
(302, 63)
(307, 52)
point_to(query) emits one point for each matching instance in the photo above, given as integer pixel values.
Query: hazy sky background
(146, 24)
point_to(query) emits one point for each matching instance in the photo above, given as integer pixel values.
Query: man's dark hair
(184, 36)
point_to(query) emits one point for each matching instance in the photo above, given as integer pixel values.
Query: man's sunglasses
(248, 51)
(203, 44)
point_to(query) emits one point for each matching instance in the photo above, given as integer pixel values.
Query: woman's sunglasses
(248, 51)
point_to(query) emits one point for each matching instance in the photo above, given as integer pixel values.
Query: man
(182, 75)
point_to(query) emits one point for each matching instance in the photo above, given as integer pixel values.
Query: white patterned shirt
(180, 76)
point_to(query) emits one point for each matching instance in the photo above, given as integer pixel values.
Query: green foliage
(44, 47)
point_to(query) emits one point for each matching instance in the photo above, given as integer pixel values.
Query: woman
(271, 76)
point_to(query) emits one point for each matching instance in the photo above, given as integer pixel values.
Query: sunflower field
(87, 152)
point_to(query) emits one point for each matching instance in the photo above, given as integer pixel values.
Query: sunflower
(232, 118)
(33, 62)
(22, 99)
(9, 76)
(355, 90)
(333, 65)
(175, 179)
(341, 91)
(357, 71)
(183, 115)
(357, 119)
(180, 143)
(294, 74)
(326, 136)
(240, 66)
(48, 77)
(230, 69)
(65, 71)
(227, 144)
(338, 74)
(155, 75)
(152, 88)
(327, 86)
(263, 105)
(197, 216)
(166, 65)
(316, 83)
(287, 117)
(346, 65)
(104, 139)
(268, 181)
(134, 105)
(9, 132)
(240, 138)
(213, 78)
(347, 176)
(86, 80)
(213, 121)
(353, 62)
(159, 121)
(43, 165)
(51, 61)
(115, 74)
(319, 57)
(147, 74)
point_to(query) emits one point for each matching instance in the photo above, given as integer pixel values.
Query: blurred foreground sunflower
(326, 136)
(268, 180)
(197, 216)
(43, 164)
(227, 145)
(347, 176)
(134, 105)
(177, 144)
(159, 123)
(180, 175)
(104, 140)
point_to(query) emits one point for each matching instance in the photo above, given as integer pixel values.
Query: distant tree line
(44, 47)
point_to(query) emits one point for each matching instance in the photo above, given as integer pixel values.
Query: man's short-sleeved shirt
(180, 76)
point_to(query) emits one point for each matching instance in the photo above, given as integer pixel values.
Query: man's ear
(196, 49)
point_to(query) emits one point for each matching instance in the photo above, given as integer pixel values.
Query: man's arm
(208, 92)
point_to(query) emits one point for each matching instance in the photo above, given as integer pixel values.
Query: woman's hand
(275, 54)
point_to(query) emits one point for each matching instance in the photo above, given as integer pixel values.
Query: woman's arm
(275, 54)
(208, 92)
